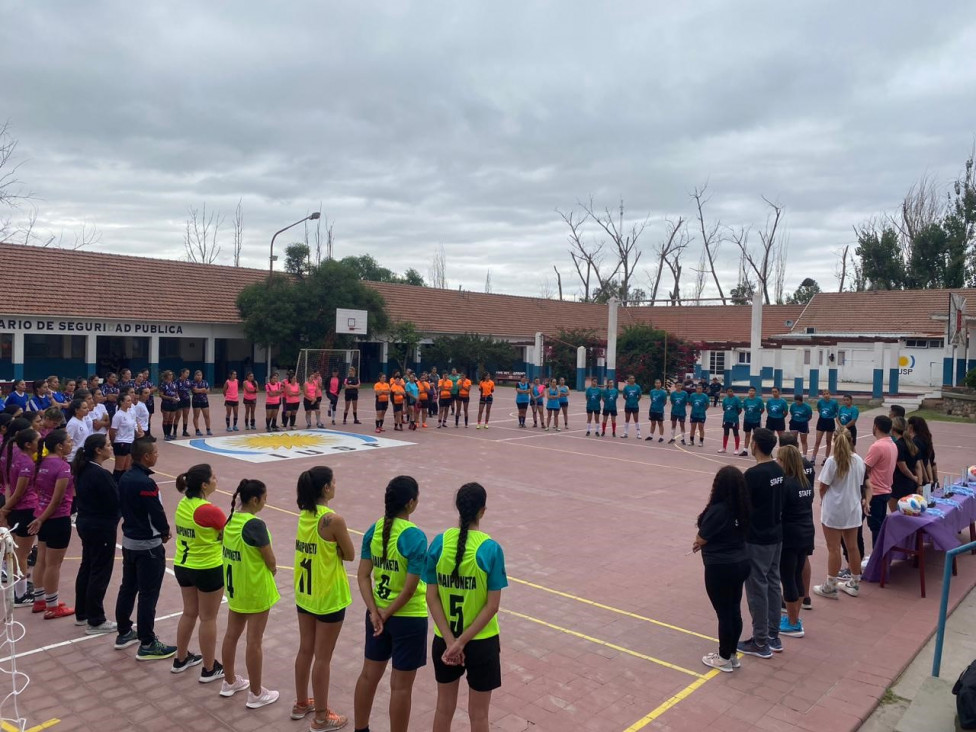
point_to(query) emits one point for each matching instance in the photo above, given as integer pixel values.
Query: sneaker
(80, 622)
(788, 629)
(192, 659)
(300, 711)
(124, 640)
(331, 722)
(671, 441)
(827, 590)
(722, 451)
(107, 627)
(843, 576)
(807, 603)
(217, 672)
(744, 453)
(239, 684)
(25, 600)
(660, 439)
(266, 697)
(623, 437)
(199, 434)
(39, 606)
(356, 421)
(155, 651)
(209, 433)
(557, 429)
(716, 661)
(776, 645)
(751, 648)
(61, 611)
(851, 587)
(736, 663)
(683, 441)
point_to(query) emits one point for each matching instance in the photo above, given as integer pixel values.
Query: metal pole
(612, 339)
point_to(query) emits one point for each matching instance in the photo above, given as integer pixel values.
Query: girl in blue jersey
(753, 407)
(594, 394)
(847, 417)
(800, 414)
(731, 409)
(659, 401)
(632, 395)
(776, 409)
(564, 401)
(679, 411)
(552, 404)
(523, 397)
(827, 411)
(699, 411)
(536, 392)
(610, 394)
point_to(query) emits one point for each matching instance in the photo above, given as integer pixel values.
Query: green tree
(403, 339)
(471, 353)
(803, 294)
(936, 261)
(291, 313)
(742, 293)
(367, 268)
(560, 350)
(649, 354)
(298, 259)
(880, 265)
(960, 220)
(413, 277)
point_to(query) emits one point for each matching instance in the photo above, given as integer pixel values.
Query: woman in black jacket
(798, 536)
(721, 538)
(97, 524)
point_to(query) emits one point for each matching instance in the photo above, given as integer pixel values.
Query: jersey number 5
(305, 580)
(456, 613)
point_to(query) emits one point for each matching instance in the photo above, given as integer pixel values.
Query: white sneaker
(851, 587)
(721, 451)
(716, 661)
(266, 697)
(240, 683)
(107, 627)
(827, 590)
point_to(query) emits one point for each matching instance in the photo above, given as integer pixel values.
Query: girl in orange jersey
(423, 394)
(445, 398)
(381, 389)
(231, 396)
(398, 395)
(487, 388)
(463, 398)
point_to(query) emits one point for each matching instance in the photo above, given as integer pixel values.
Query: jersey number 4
(230, 582)
(305, 578)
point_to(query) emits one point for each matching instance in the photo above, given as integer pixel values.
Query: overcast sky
(468, 124)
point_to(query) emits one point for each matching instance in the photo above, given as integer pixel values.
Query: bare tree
(11, 193)
(779, 270)
(84, 236)
(488, 282)
(711, 235)
(841, 271)
(559, 281)
(200, 237)
(624, 241)
(922, 206)
(437, 273)
(26, 230)
(238, 232)
(673, 239)
(700, 272)
(673, 262)
(586, 256)
(545, 289)
(763, 263)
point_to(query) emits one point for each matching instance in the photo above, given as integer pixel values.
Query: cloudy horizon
(416, 126)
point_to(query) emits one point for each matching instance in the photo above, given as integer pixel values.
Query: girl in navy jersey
(351, 390)
(201, 402)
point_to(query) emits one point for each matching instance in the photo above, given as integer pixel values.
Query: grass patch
(890, 697)
(930, 415)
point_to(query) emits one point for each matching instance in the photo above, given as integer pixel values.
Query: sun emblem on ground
(266, 447)
(281, 441)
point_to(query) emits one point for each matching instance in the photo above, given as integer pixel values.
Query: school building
(110, 311)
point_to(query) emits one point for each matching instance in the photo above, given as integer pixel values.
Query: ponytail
(399, 492)
(51, 442)
(191, 482)
(247, 490)
(85, 455)
(16, 426)
(311, 484)
(471, 498)
(843, 452)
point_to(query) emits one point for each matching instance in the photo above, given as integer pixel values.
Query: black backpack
(965, 691)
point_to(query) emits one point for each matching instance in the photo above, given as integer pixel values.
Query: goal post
(325, 361)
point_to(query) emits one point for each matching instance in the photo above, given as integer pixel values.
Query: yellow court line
(7, 727)
(612, 609)
(673, 701)
(607, 644)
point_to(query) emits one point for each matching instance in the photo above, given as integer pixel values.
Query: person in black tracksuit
(97, 503)
(144, 531)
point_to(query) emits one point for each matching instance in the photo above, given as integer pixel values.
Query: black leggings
(734, 429)
(723, 583)
(791, 563)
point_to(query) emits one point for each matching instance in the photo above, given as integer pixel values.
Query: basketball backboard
(350, 322)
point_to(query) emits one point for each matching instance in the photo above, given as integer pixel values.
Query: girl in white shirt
(78, 427)
(123, 433)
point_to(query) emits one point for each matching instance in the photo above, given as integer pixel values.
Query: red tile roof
(901, 312)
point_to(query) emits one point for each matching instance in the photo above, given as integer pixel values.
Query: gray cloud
(420, 124)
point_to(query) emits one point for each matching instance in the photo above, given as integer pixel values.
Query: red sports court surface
(603, 625)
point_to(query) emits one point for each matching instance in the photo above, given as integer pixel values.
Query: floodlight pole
(271, 258)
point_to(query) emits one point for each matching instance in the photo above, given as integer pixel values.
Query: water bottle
(927, 495)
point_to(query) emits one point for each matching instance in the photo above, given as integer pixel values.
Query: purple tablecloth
(898, 529)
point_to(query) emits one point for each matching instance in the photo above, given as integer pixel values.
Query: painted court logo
(906, 364)
(277, 446)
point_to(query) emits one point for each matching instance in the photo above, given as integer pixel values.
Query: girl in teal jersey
(594, 394)
(731, 409)
(827, 411)
(679, 411)
(523, 398)
(552, 405)
(800, 414)
(564, 402)
(847, 417)
(776, 409)
(632, 395)
(659, 401)
(610, 394)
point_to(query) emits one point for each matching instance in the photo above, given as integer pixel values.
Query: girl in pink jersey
(18, 511)
(52, 521)
(231, 396)
(312, 393)
(273, 403)
(293, 397)
(250, 389)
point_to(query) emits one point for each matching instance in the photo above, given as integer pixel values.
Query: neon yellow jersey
(390, 575)
(463, 596)
(321, 584)
(248, 582)
(197, 547)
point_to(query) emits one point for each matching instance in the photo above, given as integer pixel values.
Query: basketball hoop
(351, 322)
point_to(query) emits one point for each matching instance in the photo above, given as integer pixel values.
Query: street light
(271, 258)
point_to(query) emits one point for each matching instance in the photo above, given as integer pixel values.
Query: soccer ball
(912, 505)
(971, 474)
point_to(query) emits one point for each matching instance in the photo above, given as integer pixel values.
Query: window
(811, 330)
(924, 343)
(716, 362)
(745, 357)
(936, 343)
(841, 358)
(820, 357)
(806, 357)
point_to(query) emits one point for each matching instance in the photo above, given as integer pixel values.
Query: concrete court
(604, 622)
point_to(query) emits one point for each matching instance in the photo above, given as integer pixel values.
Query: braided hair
(471, 498)
(247, 490)
(399, 492)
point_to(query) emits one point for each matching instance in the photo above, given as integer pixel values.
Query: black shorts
(609, 412)
(825, 425)
(337, 617)
(592, 411)
(289, 407)
(121, 449)
(403, 639)
(381, 406)
(802, 427)
(250, 403)
(656, 416)
(56, 532)
(397, 407)
(351, 395)
(205, 580)
(230, 403)
(170, 406)
(535, 403)
(553, 410)
(20, 517)
(748, 427)
(462, 399)
(631, 410)
(273, 406)
(482, 662)
(445, 403)
(486, 399)
(311, 405)
(734, 426)
(678, 417)
(698, 420)
(184, 403)
(776, 424)
(201, 404)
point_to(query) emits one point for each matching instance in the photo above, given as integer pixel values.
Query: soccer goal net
(325, 361)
